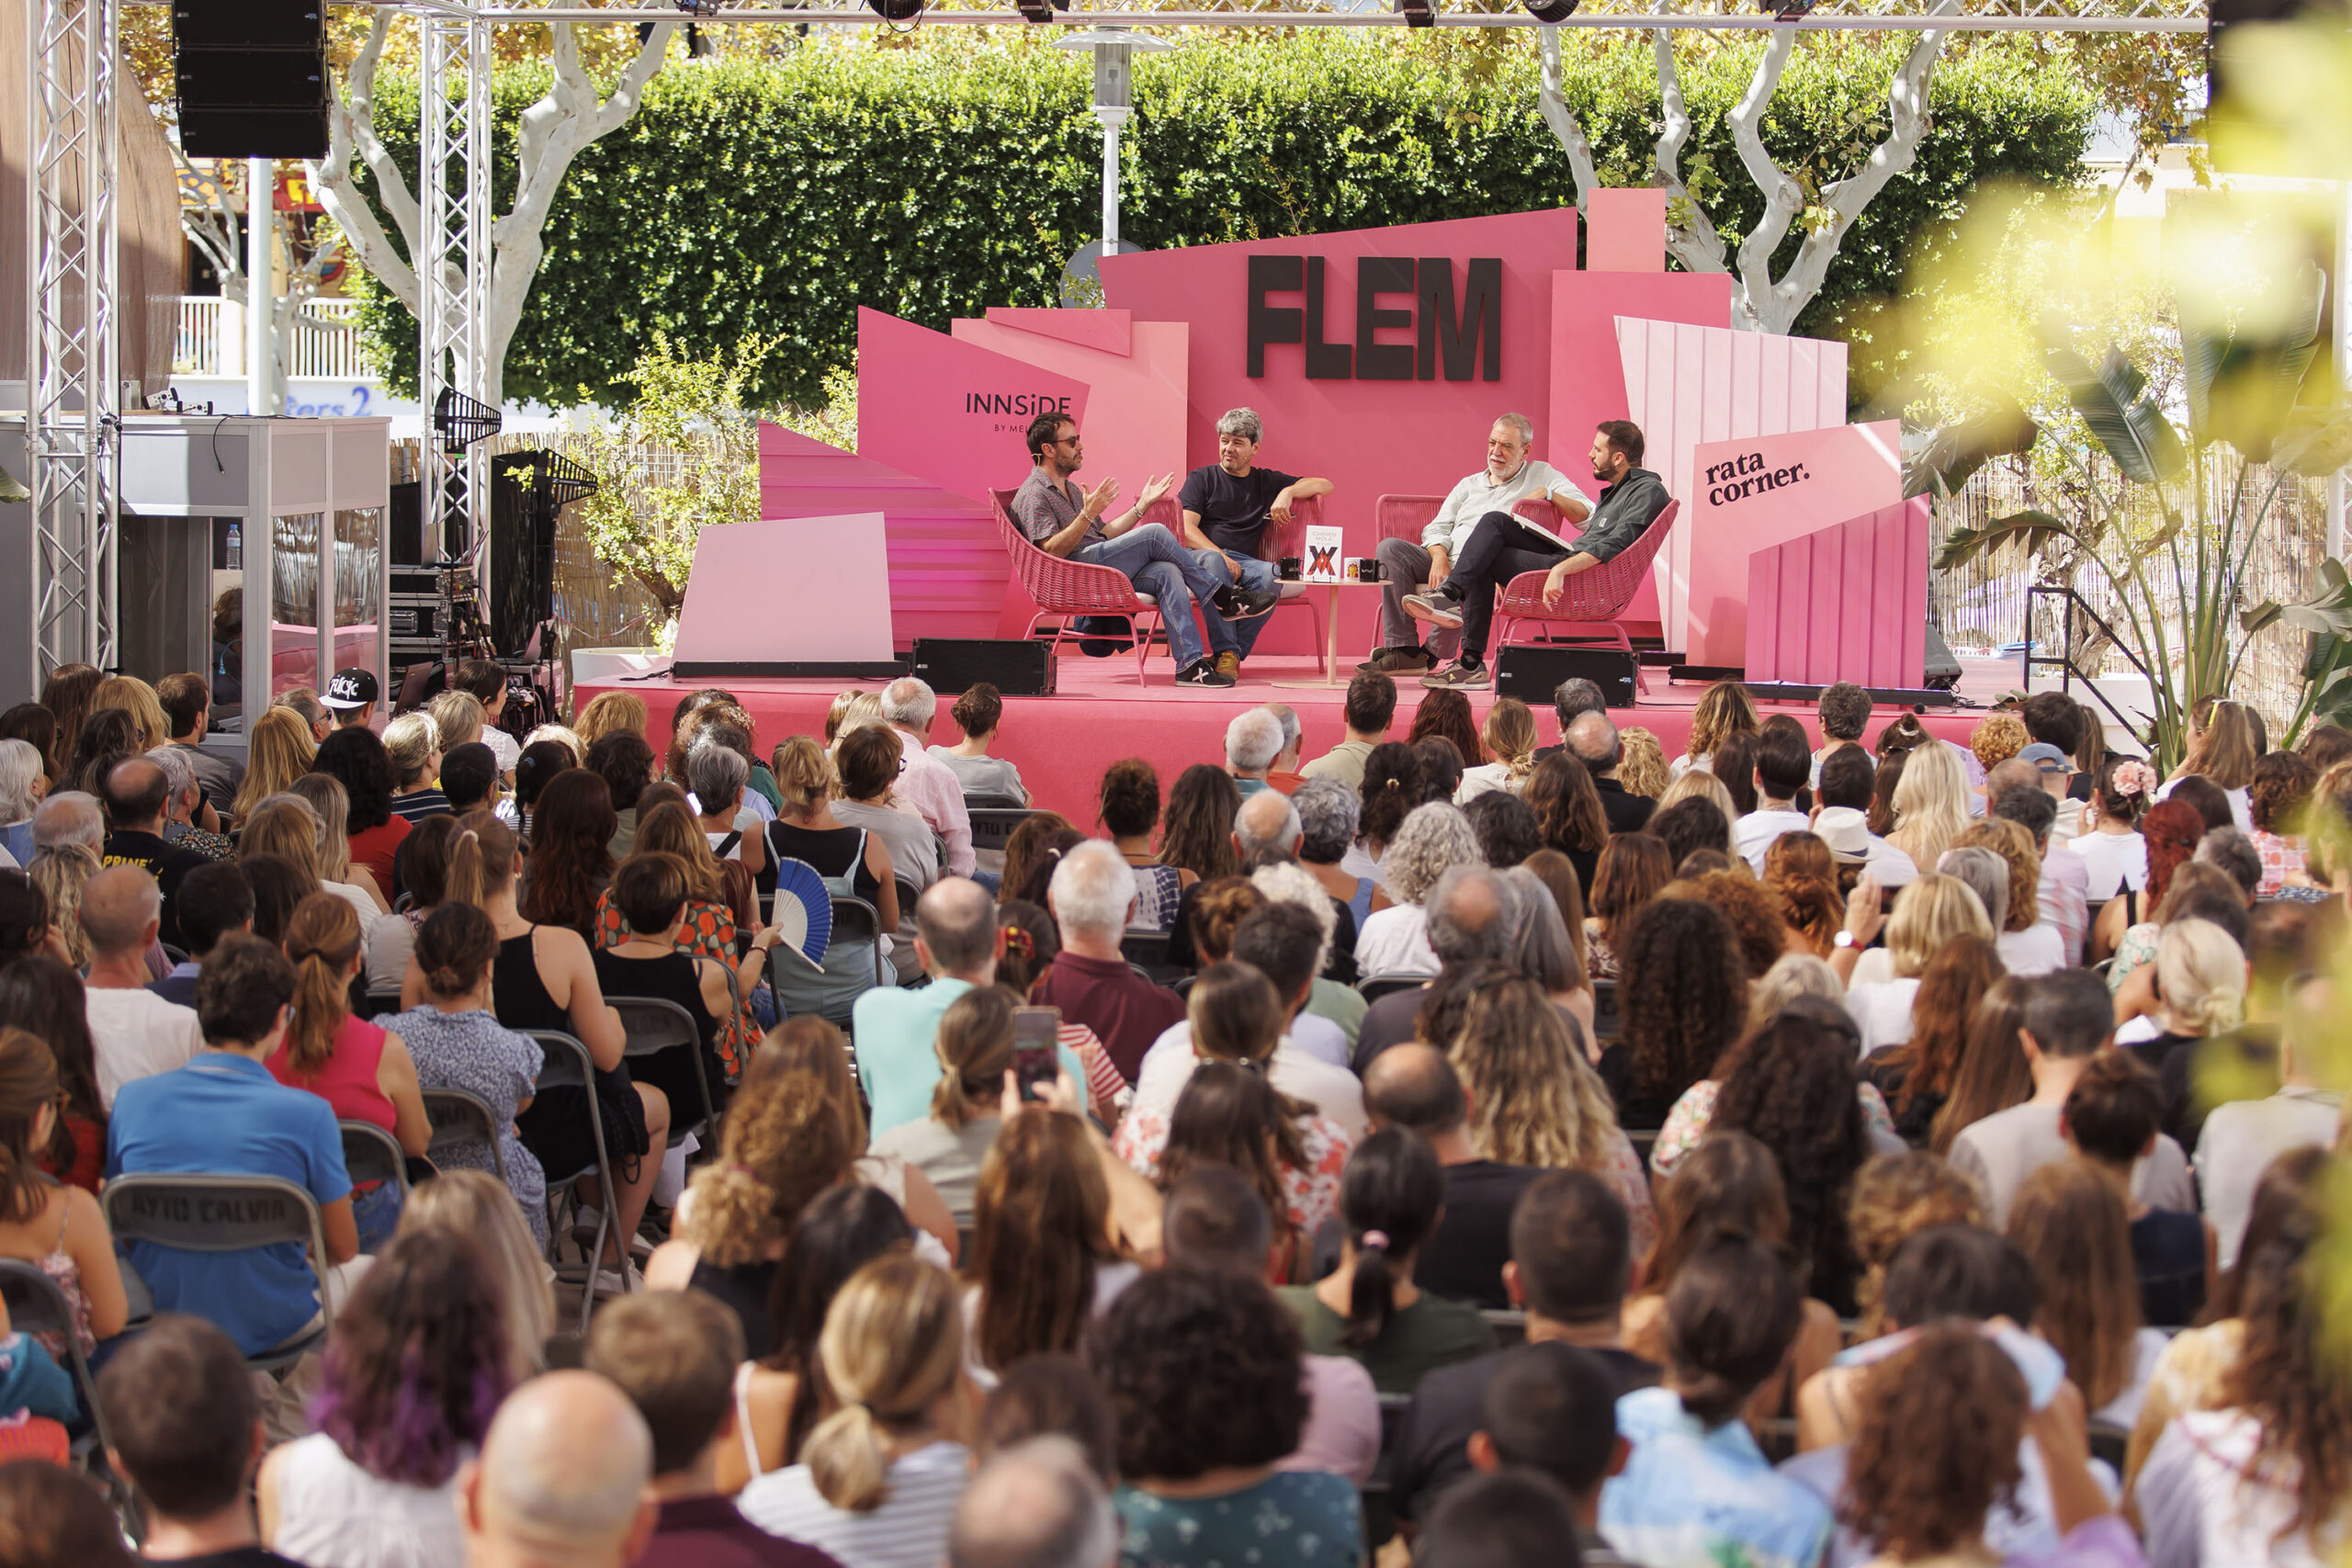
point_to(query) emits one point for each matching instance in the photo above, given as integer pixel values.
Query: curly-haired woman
(1434, 838)
(1201, 1371)
(1682, 996)
(1724, 710)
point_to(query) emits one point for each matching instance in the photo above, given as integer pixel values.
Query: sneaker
(1205, 673)
(1436, 606)
(1228, 664)
(1459, 676)
(1400, 660)
(1244, 603)
(609, 1283)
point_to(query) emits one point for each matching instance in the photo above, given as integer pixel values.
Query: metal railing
(210, 340)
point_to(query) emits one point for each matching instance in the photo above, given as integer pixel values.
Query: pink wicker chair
(1069, 588)
(1404, 516)
(1588, 611)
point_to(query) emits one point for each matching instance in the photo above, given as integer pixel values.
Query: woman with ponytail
(1690, 1492)
(363, 1071)
(1369, 1308)
(1800, 871)
(975, 1049)
(879, 1477)
(455, 1040)
(1511, 738)
(57, 1229)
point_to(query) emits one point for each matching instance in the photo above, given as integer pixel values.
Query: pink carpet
(1099, 715)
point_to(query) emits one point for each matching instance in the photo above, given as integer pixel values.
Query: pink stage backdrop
(1587, 378)
(1687, 383)
(950, 412)
(1750, 493)
(1849, 602)
(841, 599)
(948, 569)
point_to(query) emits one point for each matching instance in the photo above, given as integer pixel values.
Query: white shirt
(1476, 496)
(2063, 899)
(2238, 1142)
(2111, 863)
(1882, 1011)
(1333, 1090)
(138, 1035)
(909, 1530)
(1396, 940)
(2203, 1502)
(329, 1510)
(1889, 865)
(2037, 949)
(502, 746)
(1753, 834)
(938, 798)
(2241, 803)
(1484, 779)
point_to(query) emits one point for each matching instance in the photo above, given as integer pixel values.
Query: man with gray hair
(1252, 742)
(562, 1481)
(1035, 1505)
(69, 817)
(22, 784)
(182, 802)
(1512, 474)
(1283, 773)
(1226, 506)
(1475, 914)
(927, 783)
(1091, 896)
(135, 1032)
(1591, 738)
(1267, 827)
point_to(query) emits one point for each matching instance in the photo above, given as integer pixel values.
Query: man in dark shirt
(1571, 700)
(214, 900)
(1414, 1086)
(1593, 740)
(674, 1353)
(1226, 506)
(188, 704)
(1572, 1262)
(1503, 545)
(184, 1429)
(136, 793)
(1062, 520)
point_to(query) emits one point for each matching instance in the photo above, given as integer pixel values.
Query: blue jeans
(1259, 575)
(1161, 568)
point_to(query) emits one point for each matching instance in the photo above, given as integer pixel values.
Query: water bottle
(235, 550)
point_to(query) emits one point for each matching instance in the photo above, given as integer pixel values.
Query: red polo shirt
(1125, 1011)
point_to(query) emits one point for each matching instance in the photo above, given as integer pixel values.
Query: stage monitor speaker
(1016, 667)
(404, 533)
(1532, 672)
(522, 550)
(252, 78)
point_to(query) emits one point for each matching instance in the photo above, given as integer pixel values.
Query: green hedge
(777, 196)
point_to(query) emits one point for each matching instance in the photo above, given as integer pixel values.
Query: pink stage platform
(1099, 715)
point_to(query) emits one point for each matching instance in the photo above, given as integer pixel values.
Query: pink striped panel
(1848, 602)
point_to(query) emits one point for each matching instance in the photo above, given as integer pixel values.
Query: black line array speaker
(1532, 671)
(252, 77)
(1016, 667)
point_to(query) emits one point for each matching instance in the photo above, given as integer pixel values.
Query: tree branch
(1783, 198)
(1690, 233)
(1562, 119)
(353, 127)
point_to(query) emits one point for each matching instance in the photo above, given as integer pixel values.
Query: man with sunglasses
(1064, 520)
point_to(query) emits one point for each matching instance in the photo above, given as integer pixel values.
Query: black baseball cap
(353, 688)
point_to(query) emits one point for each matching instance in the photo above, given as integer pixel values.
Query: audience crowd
(422, 1144)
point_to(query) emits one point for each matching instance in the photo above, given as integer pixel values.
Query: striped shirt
(909, 1530)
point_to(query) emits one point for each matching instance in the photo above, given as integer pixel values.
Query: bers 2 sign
(1454, 339)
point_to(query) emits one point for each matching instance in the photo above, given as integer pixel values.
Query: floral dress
(710, 933)
(473, 1051)
(1686, 1124)
(1311, 1194)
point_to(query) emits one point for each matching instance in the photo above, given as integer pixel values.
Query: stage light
(1418, 14)
(1550, 10)
(1039, 10)
(1785, 10)
(896, 10)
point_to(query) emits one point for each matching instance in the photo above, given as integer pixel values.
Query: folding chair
(856, 918)
(459, 1116)
(1607, 1022)
(987, 802)
(1371, 987)
(371, 1154)
(992, 825)
(653, 1025)
(565, 1063)
(37, 1307)
(1510, 1327)
(383, 1001)
(226, 1213)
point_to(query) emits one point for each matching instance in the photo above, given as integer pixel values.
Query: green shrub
(775, 198)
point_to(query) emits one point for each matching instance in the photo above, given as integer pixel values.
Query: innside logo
(1455, 340)
(1020, 403)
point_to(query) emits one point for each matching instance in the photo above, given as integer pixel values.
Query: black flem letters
(1459, 340)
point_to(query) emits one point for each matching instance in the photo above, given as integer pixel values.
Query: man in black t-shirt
(1414, 1086)
(136, 791)
(1571, 1264)
(1226, 506)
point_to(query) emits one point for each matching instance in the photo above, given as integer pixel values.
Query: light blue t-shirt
(898, 1060)
(1692, 1498)
(224, 1115)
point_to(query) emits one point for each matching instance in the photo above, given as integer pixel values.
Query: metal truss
(70, 424)
(453, 268)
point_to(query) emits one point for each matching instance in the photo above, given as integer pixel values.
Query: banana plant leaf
(2326, 613)
(2315, 443)
(2028, 531)
(2242, 389)
(2115, 403)
(1957, 451)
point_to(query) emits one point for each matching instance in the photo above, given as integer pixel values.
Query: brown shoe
(1228, 664)
(1459, 677)
(1403, 661)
